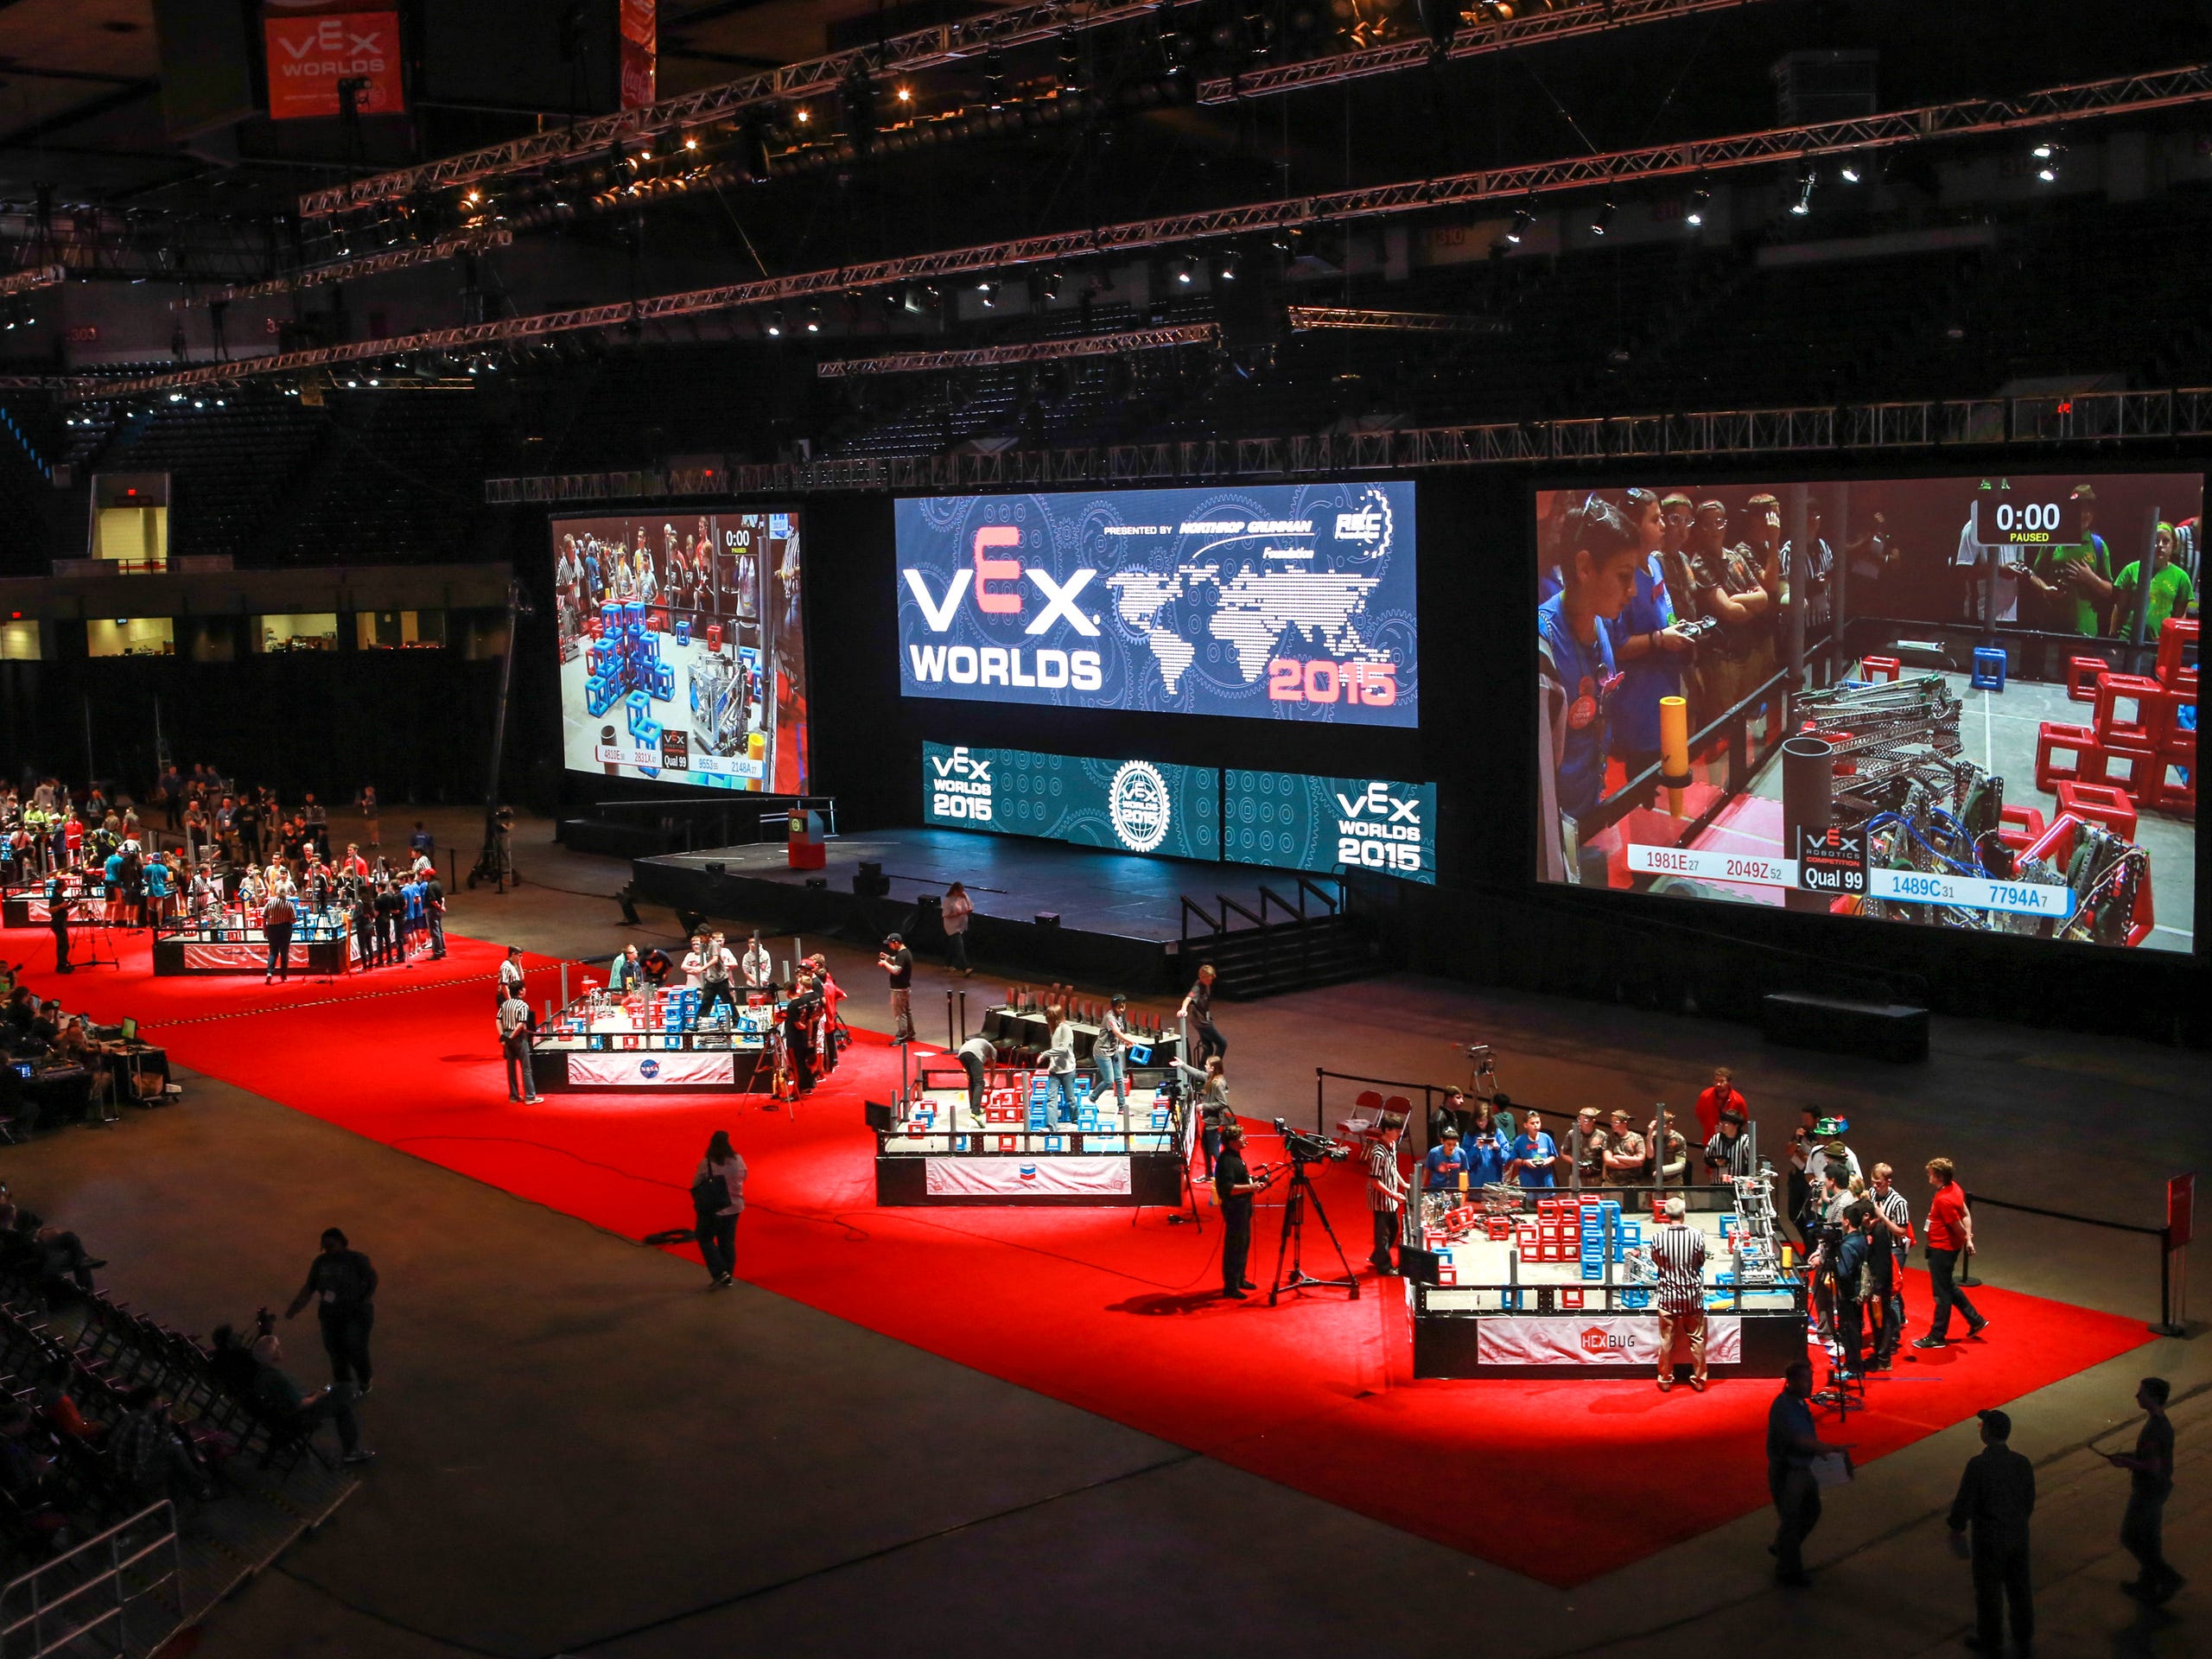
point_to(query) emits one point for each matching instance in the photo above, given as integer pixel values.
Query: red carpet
(1104, 1309)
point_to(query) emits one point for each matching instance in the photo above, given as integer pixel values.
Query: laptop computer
(130, 1029)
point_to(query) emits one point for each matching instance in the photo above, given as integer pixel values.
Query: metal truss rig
(1482, 38)
(1033, 351)
(372, 264)
(1303, 317)
(926, 48)
(2124, 95)
(28, 281)
(2083, 417)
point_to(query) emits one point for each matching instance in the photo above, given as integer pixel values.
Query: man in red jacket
(1720, 1097)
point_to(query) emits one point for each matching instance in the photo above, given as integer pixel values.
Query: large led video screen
(1128, 806)
(1293, 822)
(1276, 601)
(1967, 703)
(683, 649)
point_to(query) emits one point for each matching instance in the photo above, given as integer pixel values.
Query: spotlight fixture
(1051, 286)
(1849, 173)
(905, 94)
(1701, 199)
(813, 319)
(774, 326)
(1525, 219)
(1183, 273)
(990, 293)
(1228, 268)
(2045, 150)
(1601, 221)
(803, 115)
(2047, 156)
(1803, 204)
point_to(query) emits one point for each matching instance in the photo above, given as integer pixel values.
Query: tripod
(1293, 1240)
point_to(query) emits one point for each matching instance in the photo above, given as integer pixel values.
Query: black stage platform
(1120, 916)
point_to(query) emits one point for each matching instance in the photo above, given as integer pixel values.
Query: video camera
(1310, 1148)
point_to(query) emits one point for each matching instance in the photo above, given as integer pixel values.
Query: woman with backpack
(717, 1200)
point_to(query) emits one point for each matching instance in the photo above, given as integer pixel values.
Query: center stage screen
(1997, 727)
(683, 653)
(1283, 601)
(1130, 806)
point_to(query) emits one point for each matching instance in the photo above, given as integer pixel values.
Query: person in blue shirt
(1649, 650)
(1535, 1154)
(1445, 1163)
(627, 973)
(117, 902)
(410, 914)
(1487, 1151)
(157, 889)
(1577, 678)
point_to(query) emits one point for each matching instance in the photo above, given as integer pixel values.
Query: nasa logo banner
(1125, 806)
(1293, 821)
(1281, 602)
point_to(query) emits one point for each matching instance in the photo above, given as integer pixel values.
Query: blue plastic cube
(1988, 669)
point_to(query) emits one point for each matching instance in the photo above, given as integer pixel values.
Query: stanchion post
(949, 1043)
(963, 1016)
(1967, 1279)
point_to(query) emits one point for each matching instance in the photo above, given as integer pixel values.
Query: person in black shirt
(2150, 1481)
(433, 918)
(1997, 1494)
(1234, 1185)
(1197, 1014)
(896, 960)
(389, 904)
(799, 1015)
(355, 892)
(343, 1285)
(57, 905)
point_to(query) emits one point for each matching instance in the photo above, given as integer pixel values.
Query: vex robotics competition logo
(995, 583)
(1367, 526)
(962, 787)
(1137, 803)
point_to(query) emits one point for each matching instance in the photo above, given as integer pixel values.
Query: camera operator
(1234, 1186)
(1854, 1249)
(898, 962)
(1386, 1190)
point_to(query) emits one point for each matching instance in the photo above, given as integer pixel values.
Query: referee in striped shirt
(1893, 1229)
(1386, 1190)
(1678, 1254)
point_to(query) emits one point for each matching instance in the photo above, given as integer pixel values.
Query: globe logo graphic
(1137, 803)
(649, 1069)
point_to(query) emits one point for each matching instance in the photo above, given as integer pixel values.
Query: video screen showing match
(683, 647)
(1966, 702)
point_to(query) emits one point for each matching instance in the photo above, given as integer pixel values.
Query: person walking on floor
(1792, 1443)
(1950, 1241)
(955, 908)
(2151, 1481)
(717, 1200)
(898, 962)
(1678, 1254)
(342, 1284)
(1197, 1014)
(514, 1041)
(1997, 1493)
(1234, 1186)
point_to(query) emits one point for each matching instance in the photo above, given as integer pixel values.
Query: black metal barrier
(2170, 1322)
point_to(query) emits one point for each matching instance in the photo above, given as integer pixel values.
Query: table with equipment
(1534, 1282)
(652, 1042)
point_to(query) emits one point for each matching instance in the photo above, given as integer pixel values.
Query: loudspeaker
(1889, 1031)
(1048, 918)
(869, 880)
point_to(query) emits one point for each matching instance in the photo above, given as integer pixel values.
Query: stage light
(990, 293)
(1803, 204)
(691, 141)
(1701, 199)
(1602, 220)
(1523, 219)
(803, 115)
(813, 319)
(775, 323)
(905, 94)
(1182, 268)
(2048, 154)
(1848, 172)
(1228, 268)
(2045, 150)
(1051, 286)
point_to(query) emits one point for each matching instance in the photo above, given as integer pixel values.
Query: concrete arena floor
(587, 1453)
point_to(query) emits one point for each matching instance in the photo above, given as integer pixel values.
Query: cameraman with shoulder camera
(1234, 1185)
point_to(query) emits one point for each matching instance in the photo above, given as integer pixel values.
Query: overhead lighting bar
(29, 282)
(370, 264)
(1473, 39)
(902, 55)
(1033, 351)
(2124, 95)
(1303, 317)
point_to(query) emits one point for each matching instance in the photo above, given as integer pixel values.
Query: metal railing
(81, 1602)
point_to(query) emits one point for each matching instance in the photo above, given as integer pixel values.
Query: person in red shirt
(1950, 1240)
(1720, 1097)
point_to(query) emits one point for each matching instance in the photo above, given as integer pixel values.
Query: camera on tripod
(1310, 1148)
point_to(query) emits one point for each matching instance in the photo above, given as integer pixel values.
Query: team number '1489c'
(1321, 680)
